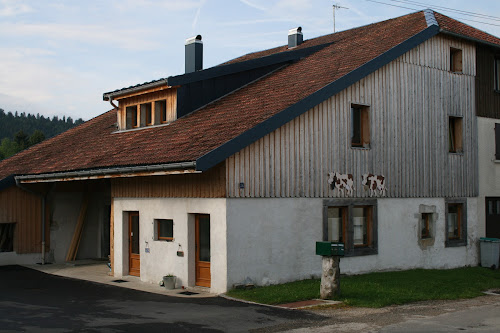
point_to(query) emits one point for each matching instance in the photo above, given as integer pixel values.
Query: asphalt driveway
(33, 301)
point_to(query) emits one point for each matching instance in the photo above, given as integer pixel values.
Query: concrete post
(330, 278)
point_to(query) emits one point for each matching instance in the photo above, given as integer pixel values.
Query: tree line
(19, 131)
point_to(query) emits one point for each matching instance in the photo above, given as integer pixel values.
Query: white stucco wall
(162, 257)
(273, 240)
(489, 168)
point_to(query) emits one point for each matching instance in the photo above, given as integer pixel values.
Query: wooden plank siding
(170, 95)
(487, 99)
(25, 210)
(409, 102)
(210, 184)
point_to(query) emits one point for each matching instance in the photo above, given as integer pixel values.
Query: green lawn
(383, 289)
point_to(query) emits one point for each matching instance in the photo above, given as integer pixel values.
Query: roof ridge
(430, 18)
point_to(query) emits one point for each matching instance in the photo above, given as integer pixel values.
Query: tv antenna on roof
(335, 6)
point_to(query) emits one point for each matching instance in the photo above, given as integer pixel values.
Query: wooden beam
(77, 235)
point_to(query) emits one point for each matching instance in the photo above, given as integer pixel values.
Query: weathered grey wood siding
(410, 101)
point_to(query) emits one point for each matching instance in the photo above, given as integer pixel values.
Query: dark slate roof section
(228, 69)
(233, 146)
(221, 70)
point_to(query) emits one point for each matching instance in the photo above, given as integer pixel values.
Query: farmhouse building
(230, 174)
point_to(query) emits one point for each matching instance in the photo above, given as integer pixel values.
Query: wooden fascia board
(143, 92)
(234, 145)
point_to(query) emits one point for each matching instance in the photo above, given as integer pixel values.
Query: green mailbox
(330, 249)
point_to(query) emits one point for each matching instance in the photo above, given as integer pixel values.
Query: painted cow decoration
(374, 183)
(343, 182)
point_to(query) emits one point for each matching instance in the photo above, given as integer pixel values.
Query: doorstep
(98, 272)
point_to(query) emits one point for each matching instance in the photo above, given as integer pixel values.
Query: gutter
(44, 199)
(472, 39)
(135, 171)
(111, 95)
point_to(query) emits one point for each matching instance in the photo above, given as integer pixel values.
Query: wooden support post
(77, 235)
(330, 278)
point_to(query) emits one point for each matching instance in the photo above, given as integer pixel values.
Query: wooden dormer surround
(152, 107)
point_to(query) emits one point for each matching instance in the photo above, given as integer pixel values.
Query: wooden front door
(493, 217)
(133, 244)
(202, 262)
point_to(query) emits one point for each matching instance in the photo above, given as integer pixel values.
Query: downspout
(111, 102)
(43, 197)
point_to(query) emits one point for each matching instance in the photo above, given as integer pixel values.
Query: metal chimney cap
(195, 39)
(294, 31)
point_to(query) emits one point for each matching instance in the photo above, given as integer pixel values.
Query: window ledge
(358, 252)
(496, 161)
(455, 243)
(140, 128)
(456, 153)
(360, 148)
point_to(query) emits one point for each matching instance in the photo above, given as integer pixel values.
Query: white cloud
(13, 8)
(253, 5)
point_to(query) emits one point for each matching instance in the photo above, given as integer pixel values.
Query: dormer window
(148, 108)
(146, 115)
(131, 114)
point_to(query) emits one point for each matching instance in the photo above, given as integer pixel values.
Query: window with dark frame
(337, 219)
(131, 115)
(456, 223)
(455, 134)
(360, 126)
(165, 229)
(352, 222)
(146, 114)
(7, 237)
(455, 60)
(426, 225)
(161, 106)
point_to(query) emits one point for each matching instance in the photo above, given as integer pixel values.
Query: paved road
(34, 301)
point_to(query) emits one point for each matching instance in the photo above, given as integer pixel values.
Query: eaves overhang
(106, 173)
(471, 39)
(234, 145)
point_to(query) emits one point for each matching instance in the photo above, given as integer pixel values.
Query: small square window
(165, 229)
(7, 237)
(426, 226)
(131, 113)
(456, 224)
(360, 126)
(455, 134)
(455, 60)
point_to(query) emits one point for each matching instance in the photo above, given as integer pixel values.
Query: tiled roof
(448, 24)
(96, 144)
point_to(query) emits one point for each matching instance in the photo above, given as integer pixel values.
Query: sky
(59, 57)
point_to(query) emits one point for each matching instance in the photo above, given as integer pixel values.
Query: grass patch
(383, 289)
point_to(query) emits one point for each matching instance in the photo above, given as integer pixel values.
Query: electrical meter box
(330, 249)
